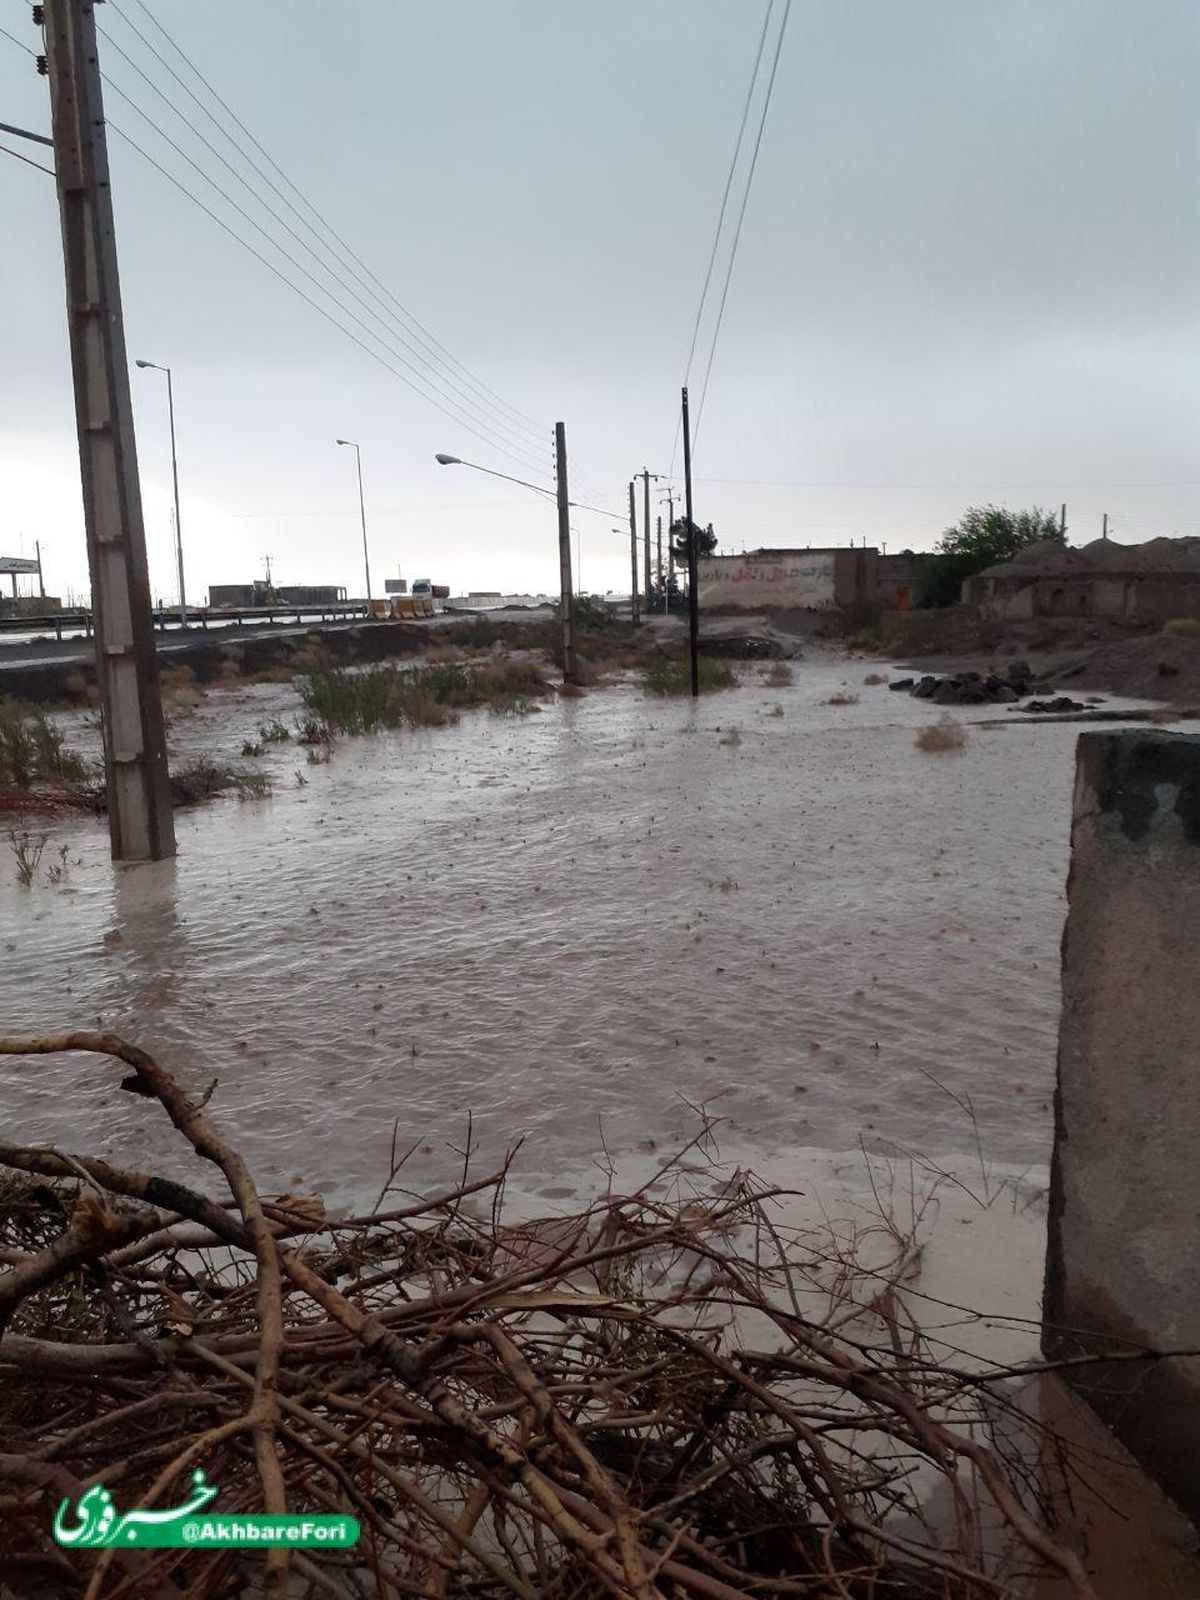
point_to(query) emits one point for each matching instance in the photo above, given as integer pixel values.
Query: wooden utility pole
(634, 600)
(693, 587)
(566, 588)
(662, 585)
(1062, 520)
(1104, 529)
(140, 821)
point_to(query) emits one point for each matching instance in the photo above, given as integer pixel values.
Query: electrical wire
(762, 122)
(20, 43)
(462, 405)
(415, 383)
(348, 258)
(712, 255)
(19, 157)
(463, 397)
(283, 278)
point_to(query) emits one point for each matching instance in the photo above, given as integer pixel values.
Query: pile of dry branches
(670, 1394)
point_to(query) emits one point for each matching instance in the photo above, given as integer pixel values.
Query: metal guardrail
(62, 622)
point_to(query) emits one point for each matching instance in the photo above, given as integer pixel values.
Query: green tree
(706, 539)
(983, 536)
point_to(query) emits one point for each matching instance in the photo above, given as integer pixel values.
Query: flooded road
(571, 926)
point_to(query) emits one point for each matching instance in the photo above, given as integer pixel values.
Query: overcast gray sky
(969, 272)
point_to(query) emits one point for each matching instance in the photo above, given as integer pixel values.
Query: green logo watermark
(94, 1522)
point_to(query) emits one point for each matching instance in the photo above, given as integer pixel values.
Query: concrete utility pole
(140, 820)
(669, 501)
(645, 477)
(661, 584)
(693, 587)
(37, 545)
(1104, 529)
(636, 611)
(567, 595)
(1062, 520)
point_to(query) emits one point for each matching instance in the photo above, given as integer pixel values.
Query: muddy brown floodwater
(572, 926)
(575, 928)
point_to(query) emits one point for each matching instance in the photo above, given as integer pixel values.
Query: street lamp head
(343, 441)
(143, 363)
(447, 461)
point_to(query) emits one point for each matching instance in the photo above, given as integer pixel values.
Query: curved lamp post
(154, 366)
(566, 593)
(362, 511)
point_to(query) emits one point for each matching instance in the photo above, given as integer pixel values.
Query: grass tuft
(381, 697)
(778, 675)
(1182, 627)
(32, 751)
(205, 779)
(947, 733)
(27, 852)
(667, 675)
(844, 697)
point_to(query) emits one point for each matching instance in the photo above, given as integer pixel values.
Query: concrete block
(1123, 1260)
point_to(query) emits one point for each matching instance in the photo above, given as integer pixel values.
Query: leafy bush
(1182, 627)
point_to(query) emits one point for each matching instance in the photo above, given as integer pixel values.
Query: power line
(712, 256)
(973, 487)
(420, 331)
(762, 122)
(479, 430)
(20, 43)
(283, 278)
(464, 397)
(17, 154)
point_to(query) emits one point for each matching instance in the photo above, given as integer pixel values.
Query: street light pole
(154, 366)
(362, 511)
(561, 495)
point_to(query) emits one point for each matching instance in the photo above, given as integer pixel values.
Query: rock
(1019, 671)
(924, 690)
(1061, 703)
(945, 693)
(1003, 694)
(902, 683)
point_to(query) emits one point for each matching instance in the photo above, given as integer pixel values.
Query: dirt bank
(1152, 667)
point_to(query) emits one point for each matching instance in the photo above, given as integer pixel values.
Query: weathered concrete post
(1123, 1261)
